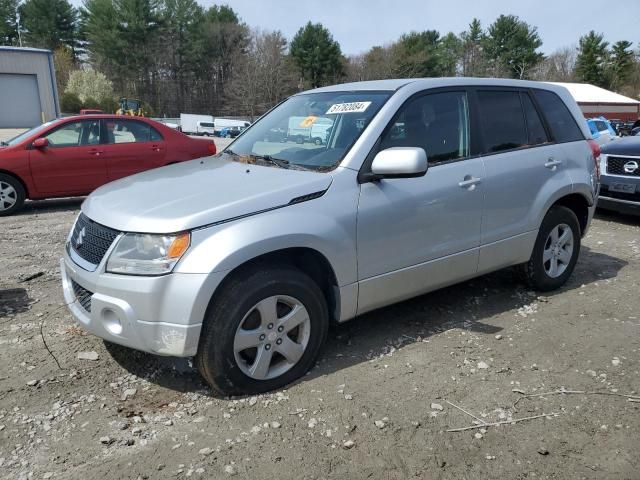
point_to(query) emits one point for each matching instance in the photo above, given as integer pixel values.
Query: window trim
(365, 175)
(65, 124)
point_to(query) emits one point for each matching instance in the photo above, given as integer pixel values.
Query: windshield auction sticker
(353, 107)
(308, 121)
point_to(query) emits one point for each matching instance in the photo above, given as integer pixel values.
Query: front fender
(314, 224)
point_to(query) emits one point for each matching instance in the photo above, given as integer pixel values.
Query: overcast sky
(360, 24)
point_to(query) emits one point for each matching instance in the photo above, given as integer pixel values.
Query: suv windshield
(312, 131)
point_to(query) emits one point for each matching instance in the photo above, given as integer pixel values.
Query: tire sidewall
(21, 194)
(538, 277)
(216, 357)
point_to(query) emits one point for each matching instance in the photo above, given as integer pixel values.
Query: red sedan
(75, 155)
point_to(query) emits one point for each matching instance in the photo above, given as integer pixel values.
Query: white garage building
(599, 102)
(28, 93)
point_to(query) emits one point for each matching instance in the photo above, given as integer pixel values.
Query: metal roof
(25, 49)
(587, 93)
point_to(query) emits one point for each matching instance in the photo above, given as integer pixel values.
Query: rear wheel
(263, 331)
(12, 195)
(556, 250)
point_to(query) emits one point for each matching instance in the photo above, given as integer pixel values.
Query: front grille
(91, 240)
(83, 295)
(615, 166)
(633, 197)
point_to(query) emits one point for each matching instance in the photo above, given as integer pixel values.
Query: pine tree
(592, 59)
(49, 23)
(317, 55)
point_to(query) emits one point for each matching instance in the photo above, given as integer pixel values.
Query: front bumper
(160, 315)
(628, 203)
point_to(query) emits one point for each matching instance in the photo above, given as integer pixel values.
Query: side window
(155, 135)
(437, 122)
(563, 125)
(535, 129)
(127, 131)
(75, 134)
(602, 127)
(502, 120)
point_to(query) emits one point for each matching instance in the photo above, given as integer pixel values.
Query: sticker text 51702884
(352, 107)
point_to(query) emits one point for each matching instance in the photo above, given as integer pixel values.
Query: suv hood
(623, 146)
(197, 193)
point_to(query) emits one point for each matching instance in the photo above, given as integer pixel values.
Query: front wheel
(12, 195)
(262, 331)
(556, 250)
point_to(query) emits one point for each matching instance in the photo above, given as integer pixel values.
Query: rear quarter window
(562, 124)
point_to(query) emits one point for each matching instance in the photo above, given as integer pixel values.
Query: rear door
(73, 163)
(132, 146)
(523, 166)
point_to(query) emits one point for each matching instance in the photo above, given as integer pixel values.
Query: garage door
(19, 101)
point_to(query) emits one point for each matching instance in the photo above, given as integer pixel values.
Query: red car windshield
(28, 133)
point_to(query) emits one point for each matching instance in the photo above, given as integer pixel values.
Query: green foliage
(8, 22)
(48, 23)
(511, 45)
(89, 84)
(109, 105)
(416, 55)
(472, 57)
(592, 59)
(70, 103)
(317, 55)
(91, 103)
(621, 64)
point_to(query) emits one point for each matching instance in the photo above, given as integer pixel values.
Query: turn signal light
(179, 245)
(212, 148)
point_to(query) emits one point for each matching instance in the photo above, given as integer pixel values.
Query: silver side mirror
(400, 162)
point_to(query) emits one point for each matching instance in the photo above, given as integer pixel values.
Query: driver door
(73, 162)
(419, 234)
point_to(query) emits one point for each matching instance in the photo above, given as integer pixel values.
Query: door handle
(469, 182)
(155, 148)
(96, 152)
(552, 164)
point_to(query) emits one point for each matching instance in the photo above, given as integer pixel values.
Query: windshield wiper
(279, 162)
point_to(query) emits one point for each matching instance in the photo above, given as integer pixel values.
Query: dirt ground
(379, 403)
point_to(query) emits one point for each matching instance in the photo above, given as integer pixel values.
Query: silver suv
(243, 259)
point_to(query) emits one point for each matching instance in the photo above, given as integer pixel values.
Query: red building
(598, 102)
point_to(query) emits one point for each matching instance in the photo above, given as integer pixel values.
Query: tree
(416, 55)
(63, 64)
(621, 64)
(473, 59)
(450, 55)
(49, 23)
(8, 22)
(557, 67)
(317, 55)
(511, 47)
(592, 59)
(91, 84)
(263, 77)
(70, 103)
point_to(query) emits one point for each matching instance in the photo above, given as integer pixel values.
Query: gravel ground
(378, 404)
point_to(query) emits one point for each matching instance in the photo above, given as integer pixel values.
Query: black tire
(215, 359)
(17, 196)
(535, 273)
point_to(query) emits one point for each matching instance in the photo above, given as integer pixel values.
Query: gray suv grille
(615, 166)
(90, 240)
(83, 295)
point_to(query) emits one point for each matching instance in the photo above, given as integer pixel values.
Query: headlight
(147, 254)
